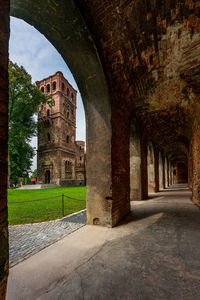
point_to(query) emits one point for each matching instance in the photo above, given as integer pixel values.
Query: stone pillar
(144, 173)
(120, 158)
(151, 168)
(170, 173)
(196, 165)
(167, 172)
(4, 36)
(163, 161)
(99, 202)
(160, 171)
(135, 163)
(156, 171)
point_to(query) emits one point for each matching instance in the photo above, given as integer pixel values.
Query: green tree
(34, 174)
(24, 98)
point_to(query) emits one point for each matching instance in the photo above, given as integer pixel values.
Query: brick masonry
(142, 62)
(4, 35)
(61, 159)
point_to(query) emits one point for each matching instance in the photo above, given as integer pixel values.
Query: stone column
(135, 163)
(170, 173)
(160, 171)
(167, 172)
(4, 36)
(196, 165)
(163, 161)
(150, 168)
(144, 173)
(156, 172)
(120, 164)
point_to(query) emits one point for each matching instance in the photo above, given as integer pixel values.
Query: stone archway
(64, 27)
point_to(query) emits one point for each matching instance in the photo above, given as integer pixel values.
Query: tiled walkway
(26, 240)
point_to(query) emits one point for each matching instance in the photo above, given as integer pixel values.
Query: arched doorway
(47, 177)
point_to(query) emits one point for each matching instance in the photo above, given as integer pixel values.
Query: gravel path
(26, 240)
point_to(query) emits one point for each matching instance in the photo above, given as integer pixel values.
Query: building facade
(61, 159)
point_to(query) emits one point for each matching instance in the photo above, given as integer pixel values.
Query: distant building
(61, 159)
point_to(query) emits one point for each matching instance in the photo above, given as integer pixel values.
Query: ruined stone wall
(4, 36)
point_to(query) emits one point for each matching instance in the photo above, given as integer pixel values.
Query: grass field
(43, 210)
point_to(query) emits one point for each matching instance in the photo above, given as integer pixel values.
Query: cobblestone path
(28, 239)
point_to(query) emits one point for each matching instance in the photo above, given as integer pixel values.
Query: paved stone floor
(26, 240)
(153, 255)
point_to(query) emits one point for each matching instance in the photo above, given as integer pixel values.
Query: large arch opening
(72, 41)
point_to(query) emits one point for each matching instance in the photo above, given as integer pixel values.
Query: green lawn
(43, 210)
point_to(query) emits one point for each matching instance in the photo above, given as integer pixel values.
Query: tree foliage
(34, 174)
(24, 98)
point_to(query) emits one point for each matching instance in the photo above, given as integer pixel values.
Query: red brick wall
(4, 35)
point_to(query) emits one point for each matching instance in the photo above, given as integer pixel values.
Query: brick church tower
(61, 160)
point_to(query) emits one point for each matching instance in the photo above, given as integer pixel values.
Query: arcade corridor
(154, 254)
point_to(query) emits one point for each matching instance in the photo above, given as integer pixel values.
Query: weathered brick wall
(196, 165)
(148, 51)
(4, 35)
(143, 46)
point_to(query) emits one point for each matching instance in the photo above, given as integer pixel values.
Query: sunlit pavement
(154, 254)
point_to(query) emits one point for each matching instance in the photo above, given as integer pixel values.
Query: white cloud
(31, 49)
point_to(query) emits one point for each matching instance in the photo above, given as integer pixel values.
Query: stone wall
(72, 182)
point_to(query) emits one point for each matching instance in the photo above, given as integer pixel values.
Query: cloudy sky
(28, 47)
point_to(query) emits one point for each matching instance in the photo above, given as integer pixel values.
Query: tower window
(67, 139)
(80, 147)
(49, 137)
(67, 114)
(63, 87)
(48, 112)
(42, 89)
(68, 166)
(48, 88)
(54, 86)
(80, 158)
(72, 96)
(67, 92)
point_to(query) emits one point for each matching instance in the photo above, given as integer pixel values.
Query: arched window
(48, 137)
(67, 114)
(67, 92)
(48, 112)
(63, 87)
(80, 147)
(42, 89)
(54, 86)
(48, 88)
(67, 139)
(72, 95)
(80, 158)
